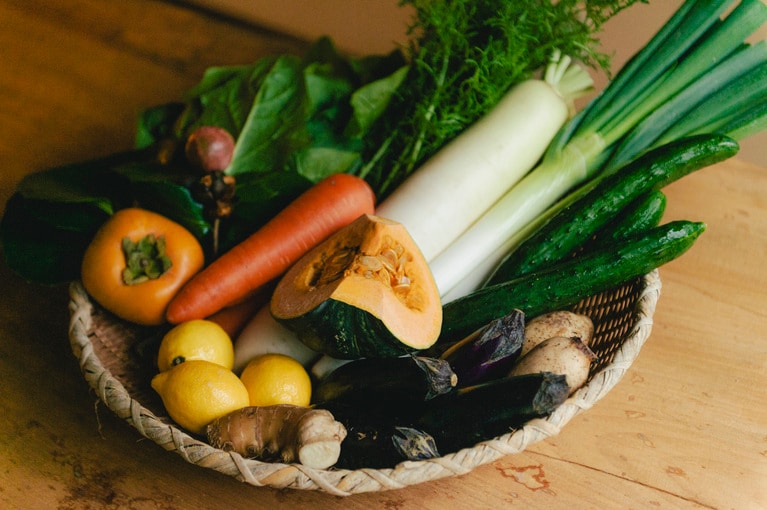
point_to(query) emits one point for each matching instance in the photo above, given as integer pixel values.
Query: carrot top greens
(297, 119)
(464, 56)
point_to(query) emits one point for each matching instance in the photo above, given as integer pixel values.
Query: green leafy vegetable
(44, 241)
(464, 56)
(673, 87)
(268, 134)
(298, 119)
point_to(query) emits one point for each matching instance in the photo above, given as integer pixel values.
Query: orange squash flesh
(371, 267)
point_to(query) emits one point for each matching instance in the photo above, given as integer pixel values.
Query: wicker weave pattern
(104, 347)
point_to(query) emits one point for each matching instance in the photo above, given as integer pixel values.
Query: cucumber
(575, 224)
(397, 380)
(565, 283)
(477, 413)
(642, 214)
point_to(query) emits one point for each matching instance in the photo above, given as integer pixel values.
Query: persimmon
(137, 262)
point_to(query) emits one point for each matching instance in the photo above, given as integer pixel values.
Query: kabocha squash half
(366, 291)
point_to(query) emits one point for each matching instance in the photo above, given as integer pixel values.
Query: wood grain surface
(686, 428)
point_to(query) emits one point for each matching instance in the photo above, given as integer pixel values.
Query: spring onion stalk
(672, 87)
(736, 83)
(479, 275)
(518, 207)
(484, 162)
(739, 109)
(695, 55)
(753, 121)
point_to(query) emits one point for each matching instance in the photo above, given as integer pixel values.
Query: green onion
(730, 109)
(697, 74)
(675, 72)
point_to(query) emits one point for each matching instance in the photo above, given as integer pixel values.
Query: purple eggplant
(404, 379)
(378, 435)
(488, 353)
(477, 413)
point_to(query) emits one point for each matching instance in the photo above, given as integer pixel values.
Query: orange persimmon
(137, 262)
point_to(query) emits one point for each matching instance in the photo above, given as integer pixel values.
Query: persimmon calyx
(144, 260)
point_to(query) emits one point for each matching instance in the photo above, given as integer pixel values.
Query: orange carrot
(312, 217)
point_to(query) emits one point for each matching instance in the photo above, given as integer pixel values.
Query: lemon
(195, 339)
(276, 379)
(196, 392)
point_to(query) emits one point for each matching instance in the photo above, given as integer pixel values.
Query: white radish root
(457, 185)
(264, 335)
(325, 365)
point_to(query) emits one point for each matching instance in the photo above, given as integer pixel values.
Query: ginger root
(283, 433)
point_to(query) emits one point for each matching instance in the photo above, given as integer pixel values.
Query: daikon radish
(441, 199)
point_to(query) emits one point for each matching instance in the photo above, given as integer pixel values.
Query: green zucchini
(396, 379)
(575, 224)
(477, 413)
(564, 284)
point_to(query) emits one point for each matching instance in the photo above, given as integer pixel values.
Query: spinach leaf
(370, 101)
(81, 183)
(295, 121)
(45, 251)
(345, 97)
(224, 97)
(165, 190)
(274, 125)
(315, 163)
(156, 124)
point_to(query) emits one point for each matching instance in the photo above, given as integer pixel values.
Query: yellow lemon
(196, 392)
(195, 339)
(276, 379)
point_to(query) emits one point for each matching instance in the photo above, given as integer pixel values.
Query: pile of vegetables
(696, 75)
(299, 119)
(410, 227)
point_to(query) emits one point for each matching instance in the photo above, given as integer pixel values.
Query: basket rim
(342, 482)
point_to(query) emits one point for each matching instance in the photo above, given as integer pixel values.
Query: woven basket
(107, 350)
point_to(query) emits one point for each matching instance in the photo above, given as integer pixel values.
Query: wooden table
(686, 428)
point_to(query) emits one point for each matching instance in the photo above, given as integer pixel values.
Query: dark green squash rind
(344, 331)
